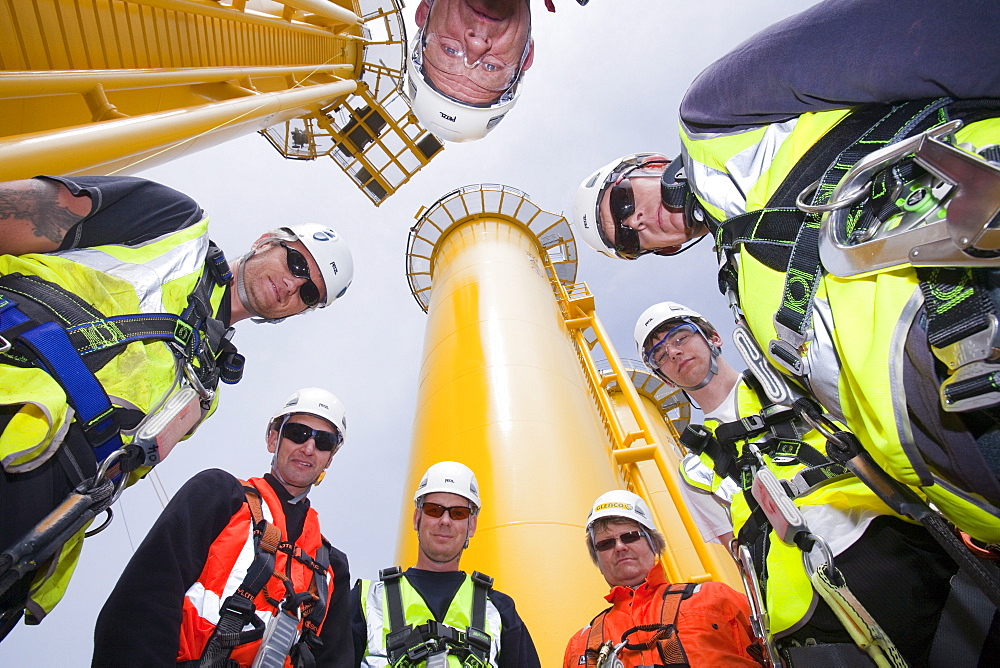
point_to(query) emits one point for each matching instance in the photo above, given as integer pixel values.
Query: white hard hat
(314, 401)
(624, 504)
(446, 117)
(451, 477)
(587, 203)
(656, 315)
(331, 254)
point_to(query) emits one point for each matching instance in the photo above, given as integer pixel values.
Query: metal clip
(786, 350)
(4, 345)
(759, 623)
(982, 345)
(824, 548)
(196, 384)
(973, 386)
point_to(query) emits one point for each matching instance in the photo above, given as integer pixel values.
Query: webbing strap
(88, 329)
(955, 308)
(393, 597)
(52, 349)
(804, 267)
(595, 638)
(964, 625)
(239, 609)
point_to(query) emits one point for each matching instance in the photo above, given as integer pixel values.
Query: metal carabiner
(824, 548)
(102, 472)
(196, 384)
(843, 200)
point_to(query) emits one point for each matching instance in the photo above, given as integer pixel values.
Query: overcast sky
(607, 81)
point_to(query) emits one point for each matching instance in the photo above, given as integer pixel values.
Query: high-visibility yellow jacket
(839, 510)
(153, 277)
(861, 325)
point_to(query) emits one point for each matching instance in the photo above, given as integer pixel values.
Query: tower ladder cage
(630, 447)
(372, 135)
(116, 86)
(633, 446)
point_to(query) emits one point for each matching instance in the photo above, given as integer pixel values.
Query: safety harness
(771, 509)
(432, 642)
(43, 325)
(770, 501)
(239, 610)
(786, 239)
(662, 636)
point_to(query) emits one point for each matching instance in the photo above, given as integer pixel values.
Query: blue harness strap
(54, 353)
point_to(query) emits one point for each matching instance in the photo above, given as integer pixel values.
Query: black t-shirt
(130, 211)
(126, 210)
(517, 649)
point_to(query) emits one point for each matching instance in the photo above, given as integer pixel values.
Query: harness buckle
(102, 429)
(787, 349)
(983, 345)
(5, 345)
(973, 386)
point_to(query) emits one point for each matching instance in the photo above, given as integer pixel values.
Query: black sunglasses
(300, 433)
(622, 202)
(454, 512)
(625, 538)
(299, 268)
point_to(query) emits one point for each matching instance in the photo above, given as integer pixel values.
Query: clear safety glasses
(490, 72)
(675, 339)
(626, 539)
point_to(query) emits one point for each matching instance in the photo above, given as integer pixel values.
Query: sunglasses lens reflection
(300, 433)
(454, 512)
(625, 538)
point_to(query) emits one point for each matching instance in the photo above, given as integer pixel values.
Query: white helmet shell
(450, 119)
(451, 477)
(656, 315)
(587, 203)
(624, 504)
(331, 254)
(313, 401)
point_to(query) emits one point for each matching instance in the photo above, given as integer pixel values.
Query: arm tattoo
(39, 206)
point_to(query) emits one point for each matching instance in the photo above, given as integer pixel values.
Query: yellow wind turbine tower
(509, 386)
(115, 86)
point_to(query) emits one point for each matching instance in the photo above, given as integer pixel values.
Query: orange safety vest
(668, 624)
(226, 566)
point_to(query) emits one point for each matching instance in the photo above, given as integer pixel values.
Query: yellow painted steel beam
(156, 138)
(695, 559)
(501, 390)
(63, 82)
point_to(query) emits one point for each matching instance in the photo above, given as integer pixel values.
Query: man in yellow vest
(434, 615)
(856, 234)
(752, 436)
(115, 315)
(237, 572)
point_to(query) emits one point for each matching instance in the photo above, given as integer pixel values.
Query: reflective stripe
(205, 601)
(146, 275)
(415, 609)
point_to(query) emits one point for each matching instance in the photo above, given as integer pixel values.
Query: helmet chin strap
(241, 290)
